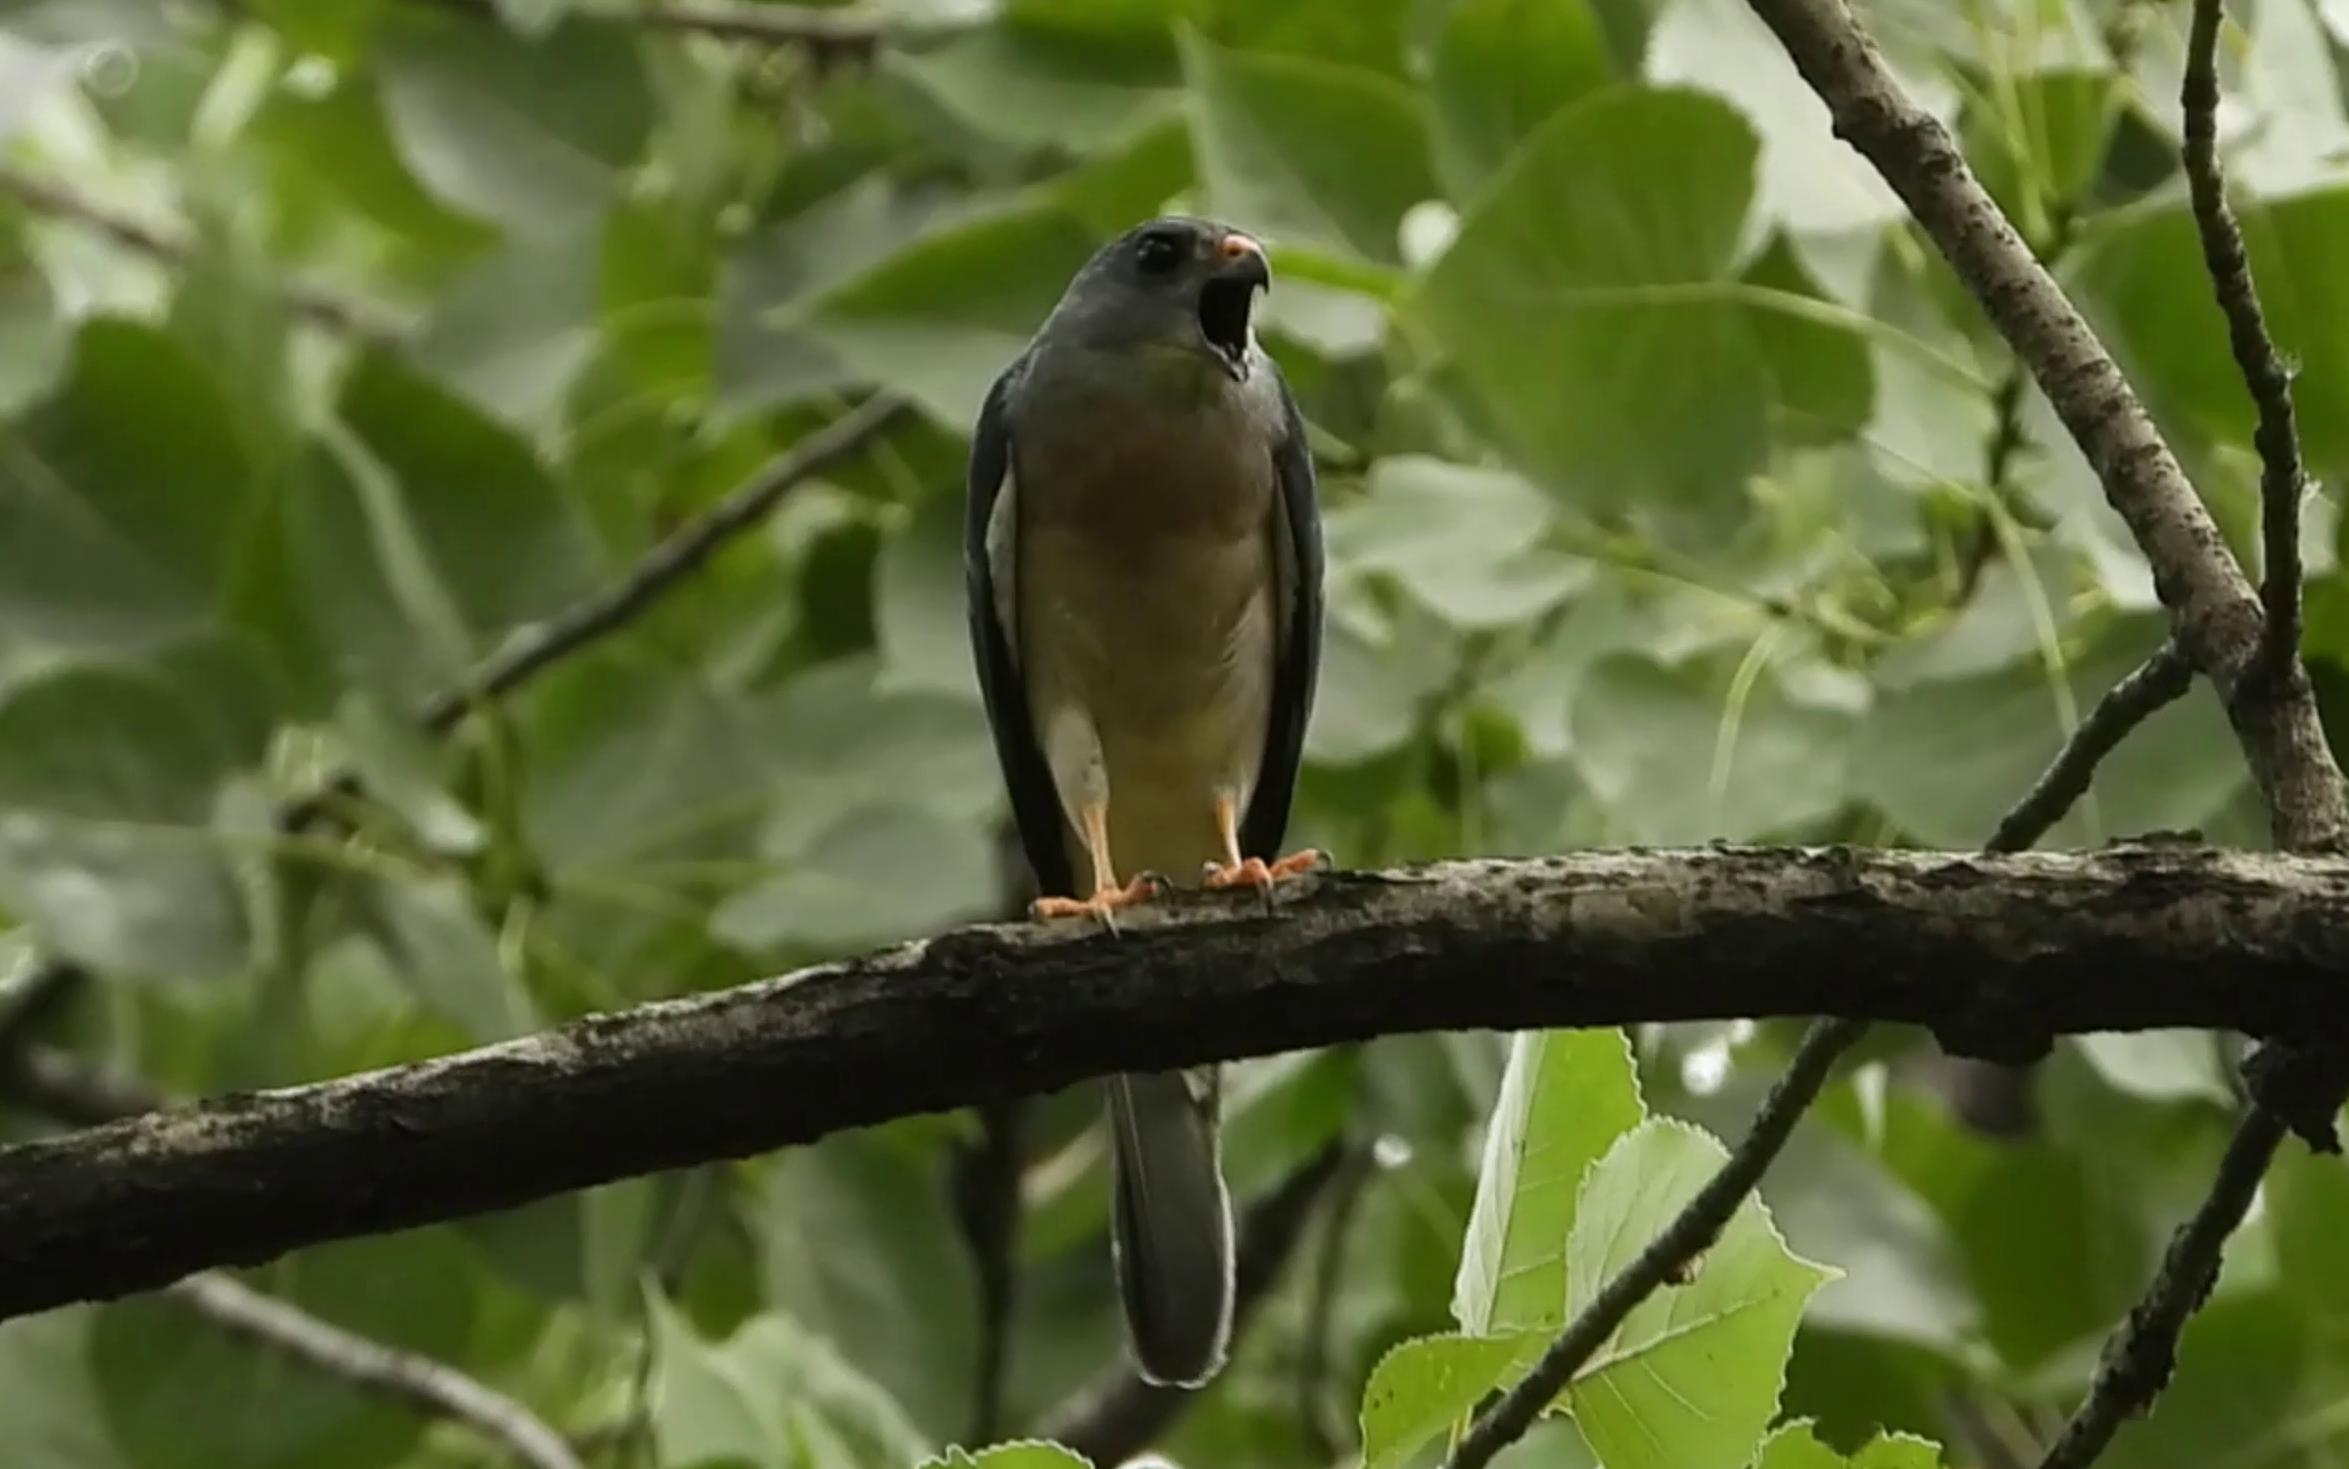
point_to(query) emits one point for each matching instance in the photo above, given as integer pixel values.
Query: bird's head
(1173, 284)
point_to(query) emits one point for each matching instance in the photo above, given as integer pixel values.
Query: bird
(1143, 564)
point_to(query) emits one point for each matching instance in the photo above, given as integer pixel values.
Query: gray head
(1182, 283)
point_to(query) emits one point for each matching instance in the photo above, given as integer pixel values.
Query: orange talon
(1102, 905)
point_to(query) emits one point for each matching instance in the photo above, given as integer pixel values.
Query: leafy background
(1674, 492)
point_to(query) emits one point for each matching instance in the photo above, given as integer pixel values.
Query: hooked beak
(1228, 297)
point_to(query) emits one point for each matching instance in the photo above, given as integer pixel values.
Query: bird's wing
(990, 561)
(1297, 652)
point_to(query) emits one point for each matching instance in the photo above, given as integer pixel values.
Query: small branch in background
(63, 1087)
(1313, 1355)
(660, 569)
(2138, 1361)
(432, 1387)
(1690, 1234)
(363, 320)
(829, 33)
(1118, 1414)
(986, 1188)
(2282, 480)
(2160, 680)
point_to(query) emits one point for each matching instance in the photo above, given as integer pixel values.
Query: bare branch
(324, 308)
(433, 1387)
(660, 569)
(2161, 679)
(1691, 1232)
(1119, 1414)
(2215, 615)
(2282, 481)
(1994, 953)
(2139, 1359)
(825, 30)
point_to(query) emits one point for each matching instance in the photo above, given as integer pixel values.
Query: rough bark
(1995, 953)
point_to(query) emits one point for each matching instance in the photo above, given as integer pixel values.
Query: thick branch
(433, 1387)
(2217, 618)
(2282, 480)
(1993, 953)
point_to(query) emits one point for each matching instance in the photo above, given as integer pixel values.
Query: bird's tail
(1171, 1227)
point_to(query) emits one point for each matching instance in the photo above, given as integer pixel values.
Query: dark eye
(1157, 254)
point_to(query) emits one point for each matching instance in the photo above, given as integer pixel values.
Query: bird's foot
(1104, 903)
(1255, 872)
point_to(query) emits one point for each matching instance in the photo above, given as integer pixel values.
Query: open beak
(1228, 297)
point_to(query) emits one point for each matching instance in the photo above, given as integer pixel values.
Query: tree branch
(2161, 679)
(2215, 615)
(2282, 481)
(2138, 1361)
(324, 308)
(660, 569)
(433, 1387)
(1994, 953)
(1691, 1232)
(824, 30)
(1119, 1414)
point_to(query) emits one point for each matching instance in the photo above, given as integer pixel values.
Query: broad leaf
(1691, 1378)
(765, 1395)
(1304, 152)
(1796, 1446)
(1501, 68)
(1031, 1454)
(1622, 306)
(1566, 1096)
(1424, 1386)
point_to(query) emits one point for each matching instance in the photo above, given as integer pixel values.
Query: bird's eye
(1157, 254)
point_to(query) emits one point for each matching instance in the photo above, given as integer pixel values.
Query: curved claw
(1104, 903)
(1255, 872)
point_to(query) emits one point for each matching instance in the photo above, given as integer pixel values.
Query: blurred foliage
(1674, 492)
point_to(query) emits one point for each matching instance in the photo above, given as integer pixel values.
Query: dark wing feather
(1035, 806)
(1297, 658)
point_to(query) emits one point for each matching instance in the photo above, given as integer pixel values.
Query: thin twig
(986, 1186)
(336, 313)
(2158, 681)
(434, 1387)
(1689, 1234)
(827, 31)
(661, 568)
(2138, 1361)
(2282, 481)
(1119, 1414)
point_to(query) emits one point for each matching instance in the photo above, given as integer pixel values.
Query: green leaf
(1678, 757)
(1824, 382)
(1795, 1446)
(122, 497)
(2161, 1065)
(1501, 68)
(1026, 1454)
(1465, 542)
(848, 887)
(764, 1395)
(1424, 1386)
(528, 131)
(501, 538)
(1691, 1378)
(939, 319)
(1985, 739)
(49, 1393)
(2143, 279)
(1304, 152)
(108, 775)
(438, 944)
(1621, 306)
(1566, 1096)
(1032, 89)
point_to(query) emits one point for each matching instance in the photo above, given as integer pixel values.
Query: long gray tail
(1171, 1227)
